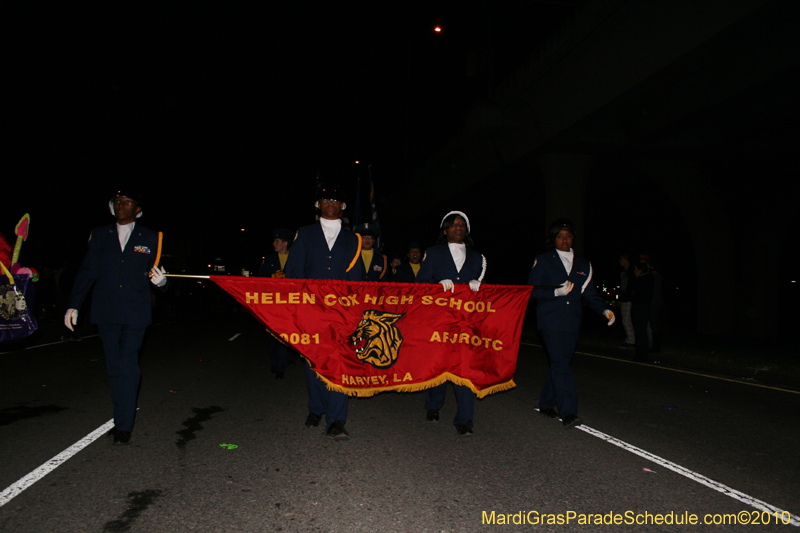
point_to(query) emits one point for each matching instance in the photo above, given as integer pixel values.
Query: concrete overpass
(663, 90)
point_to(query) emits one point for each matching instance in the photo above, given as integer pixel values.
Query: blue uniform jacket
(379, 270)
(438, 264)
(271, 264)
(121, 278)
(310, 257)
(404, 274)
(563, 313)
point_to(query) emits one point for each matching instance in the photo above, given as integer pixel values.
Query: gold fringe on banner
(414, 387)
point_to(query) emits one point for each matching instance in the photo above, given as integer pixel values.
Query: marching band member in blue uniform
(453, 261)
(120, 264)
(407, 272)
(273, 267)
(558, 312)
(326, 250)
(376, 265)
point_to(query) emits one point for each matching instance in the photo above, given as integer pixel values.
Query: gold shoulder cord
(384, 268)
(355, 257)
(158, 251)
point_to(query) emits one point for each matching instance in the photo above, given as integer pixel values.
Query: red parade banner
(363, 338)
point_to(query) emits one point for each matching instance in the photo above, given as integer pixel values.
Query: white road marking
(60, 342)
(51, 343)
(694, 476)
(234, 337)
(661, 367)
(26, 481)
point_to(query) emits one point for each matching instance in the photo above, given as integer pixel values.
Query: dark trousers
(640, 316)
(321, 401)
(121, 343)
(559, 387)
(279, 355)
(656, 322)
(465, 401)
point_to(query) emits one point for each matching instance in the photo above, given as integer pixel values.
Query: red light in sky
(437, 29)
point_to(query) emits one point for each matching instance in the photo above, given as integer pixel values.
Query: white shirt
(459, 253)
(124, 233)
(566, 258)
(331, 229)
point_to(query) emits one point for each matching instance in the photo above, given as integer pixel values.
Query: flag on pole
(357, 218)
(316, 195)
(374, 211)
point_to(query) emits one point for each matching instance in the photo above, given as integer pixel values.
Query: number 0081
(300, 338)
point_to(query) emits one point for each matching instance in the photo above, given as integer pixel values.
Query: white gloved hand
(475, 285)
(71, 318)
(609, 314)
(157, 277)
(448, 285)
(565, 289)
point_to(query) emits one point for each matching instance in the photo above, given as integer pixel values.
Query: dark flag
(374, 210)
(357, 218)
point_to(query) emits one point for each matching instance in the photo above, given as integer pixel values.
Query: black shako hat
(558, 225)
(367, 229)
(330, 193)
(282, 234)
(129, 193)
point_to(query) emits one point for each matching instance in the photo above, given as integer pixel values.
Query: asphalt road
(220, 445)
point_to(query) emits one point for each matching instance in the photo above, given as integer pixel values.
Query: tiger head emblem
(376, 339)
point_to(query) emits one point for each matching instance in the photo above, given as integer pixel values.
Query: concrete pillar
(565, 177)
(712, 236)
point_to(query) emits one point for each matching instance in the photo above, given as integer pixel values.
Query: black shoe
(278, 375)
(464, 430)
(121, 438)
(113, 432)
(625, 345)
(313, 420)
(549, 412)
(337, 432)
(433, 415)
(572, 421)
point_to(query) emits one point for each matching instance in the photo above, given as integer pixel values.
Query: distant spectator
(656, 307)
(626, 286)
(641, 298)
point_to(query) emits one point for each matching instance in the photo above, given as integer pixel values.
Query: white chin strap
(459, 213)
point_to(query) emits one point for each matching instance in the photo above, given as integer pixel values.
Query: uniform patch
(377, 268)
(141, 249)
(581, 273)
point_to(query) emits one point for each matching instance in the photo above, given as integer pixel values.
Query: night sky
(222, 116)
